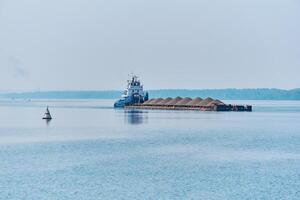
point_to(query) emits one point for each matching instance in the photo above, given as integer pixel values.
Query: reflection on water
(136, 116)
(48, 121)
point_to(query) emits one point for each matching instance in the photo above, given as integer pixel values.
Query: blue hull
(119, 104)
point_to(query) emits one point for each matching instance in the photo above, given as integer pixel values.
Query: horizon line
(115, 90)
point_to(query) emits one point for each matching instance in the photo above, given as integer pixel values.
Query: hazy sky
(94, 44)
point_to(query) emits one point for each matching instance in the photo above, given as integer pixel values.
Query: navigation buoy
(47, 114)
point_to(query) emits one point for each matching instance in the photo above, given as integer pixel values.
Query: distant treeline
(226, 94)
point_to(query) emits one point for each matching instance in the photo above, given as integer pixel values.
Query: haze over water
(92, 151)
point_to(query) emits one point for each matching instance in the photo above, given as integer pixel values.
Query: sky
(192, 44)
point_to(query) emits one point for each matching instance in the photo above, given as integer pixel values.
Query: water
(91, 151)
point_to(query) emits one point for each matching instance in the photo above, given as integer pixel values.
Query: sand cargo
(187, 103)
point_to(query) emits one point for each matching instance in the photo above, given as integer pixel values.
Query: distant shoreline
(225, 94)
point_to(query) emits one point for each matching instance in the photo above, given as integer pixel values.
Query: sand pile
(148, 102)
(163, 102)
(215, 102)
(173, 101)
(183, 101)
(156, 101)
(205, 102)
(194, 102)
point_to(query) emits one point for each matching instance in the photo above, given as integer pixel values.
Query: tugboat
(134, 94)
(47, 114)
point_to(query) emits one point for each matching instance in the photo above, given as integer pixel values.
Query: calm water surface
(92, 151)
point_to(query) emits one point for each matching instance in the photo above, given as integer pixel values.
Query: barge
(207, 104)
(134, 97)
